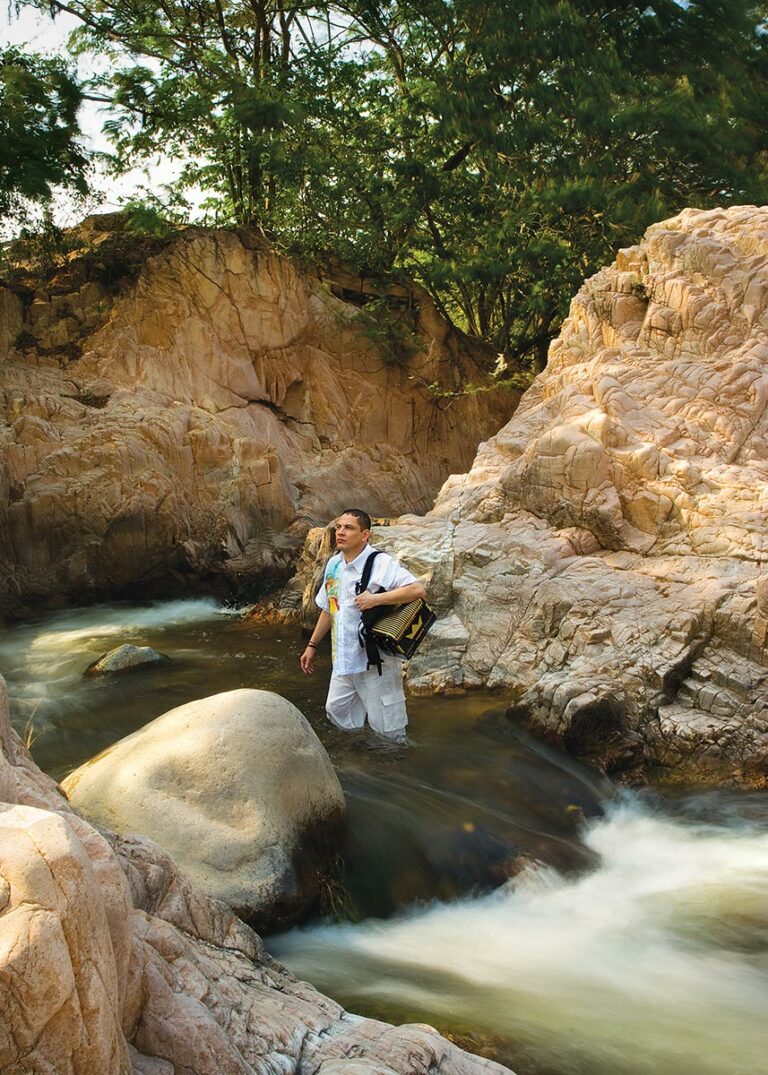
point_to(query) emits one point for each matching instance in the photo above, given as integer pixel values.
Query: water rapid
(653, 963)
(504, 893)
(69, 717)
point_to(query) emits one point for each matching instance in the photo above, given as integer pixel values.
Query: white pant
(379, 697)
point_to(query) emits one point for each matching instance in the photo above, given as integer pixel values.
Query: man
(356, 692)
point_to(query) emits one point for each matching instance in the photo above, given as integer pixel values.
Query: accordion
(396, 629)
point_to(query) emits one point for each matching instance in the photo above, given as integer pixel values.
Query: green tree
(496, 151)
(40, 144)
(536, 139)
(209, 82)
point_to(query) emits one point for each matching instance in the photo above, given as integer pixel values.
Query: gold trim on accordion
(402, 629)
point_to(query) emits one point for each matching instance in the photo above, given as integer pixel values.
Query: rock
(148, 1065)
(353, 1067)
(237, 788)
(604, 561)
(11, 319)
(218, 406)
(111, 961)
(123, 658)
(57, 962)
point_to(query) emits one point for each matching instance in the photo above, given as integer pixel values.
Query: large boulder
(179, 410)
(603, 562)
(58, 969)
(237, 788)
(111, 961)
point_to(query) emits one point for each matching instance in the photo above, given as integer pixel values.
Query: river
(492, 886)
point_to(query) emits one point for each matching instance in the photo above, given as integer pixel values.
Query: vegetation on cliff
(497, 153)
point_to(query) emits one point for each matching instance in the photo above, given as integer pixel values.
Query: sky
(39, 33)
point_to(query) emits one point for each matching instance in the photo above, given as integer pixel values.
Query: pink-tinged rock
(225, 402)
(59, 974)
(606, 554)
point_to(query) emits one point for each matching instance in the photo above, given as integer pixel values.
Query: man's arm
(322, 627)
(401, 596)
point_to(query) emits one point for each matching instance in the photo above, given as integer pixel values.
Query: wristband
(312, 644)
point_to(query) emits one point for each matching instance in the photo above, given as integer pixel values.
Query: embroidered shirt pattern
(332, 596)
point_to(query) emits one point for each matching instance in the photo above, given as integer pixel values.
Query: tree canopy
(495, 151)
(39, 133)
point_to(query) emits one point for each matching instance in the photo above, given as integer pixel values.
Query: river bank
(492, 886)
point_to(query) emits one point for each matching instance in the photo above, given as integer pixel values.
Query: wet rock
(237, 788)
(112, 961)
(220, 404)
(123, 658)
(604, 561)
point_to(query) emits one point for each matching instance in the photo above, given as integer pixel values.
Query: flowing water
(653, 962)
(499, 890)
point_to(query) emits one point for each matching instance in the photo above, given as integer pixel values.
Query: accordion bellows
(399, 629)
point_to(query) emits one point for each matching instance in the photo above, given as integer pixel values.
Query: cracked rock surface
(603, 563)
(112, 963)
(197, 416)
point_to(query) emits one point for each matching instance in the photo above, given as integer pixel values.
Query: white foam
(648, 964)
(58, 649)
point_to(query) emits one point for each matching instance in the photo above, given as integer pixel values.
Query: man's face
(350, 537)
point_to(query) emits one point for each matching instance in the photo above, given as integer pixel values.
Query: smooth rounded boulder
(124, 659)
(237, 788)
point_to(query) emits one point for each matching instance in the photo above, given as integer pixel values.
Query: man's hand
(322, 627)
(307, 660)
(366, 600)
(399, 596)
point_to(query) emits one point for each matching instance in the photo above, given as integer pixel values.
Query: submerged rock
(238, 789)
(113, 962)
(604, 561)
(123, 658)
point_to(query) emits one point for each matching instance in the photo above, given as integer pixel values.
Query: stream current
(492, 887)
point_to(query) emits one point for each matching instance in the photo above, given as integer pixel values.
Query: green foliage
(497, 153)
(146, 218)
(39, 146)
(37, 252)
(444, 398)
(391, 331)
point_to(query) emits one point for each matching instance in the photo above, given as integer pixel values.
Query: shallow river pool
(492, 886)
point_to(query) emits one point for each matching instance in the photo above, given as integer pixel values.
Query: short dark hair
(362, 517)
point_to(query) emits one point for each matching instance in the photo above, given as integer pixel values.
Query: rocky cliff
(603, 563)
(189, 407)
(112, 963)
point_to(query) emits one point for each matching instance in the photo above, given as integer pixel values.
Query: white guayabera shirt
(337, 597)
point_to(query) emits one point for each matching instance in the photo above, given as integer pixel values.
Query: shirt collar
(359, 561)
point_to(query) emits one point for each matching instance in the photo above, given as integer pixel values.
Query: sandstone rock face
(200, 418)
(50, 906)
(604, 561)
(237, 788)
(123, 658)
(112, 962)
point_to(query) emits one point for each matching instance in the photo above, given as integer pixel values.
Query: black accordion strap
(362, 585)
(371, 649)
